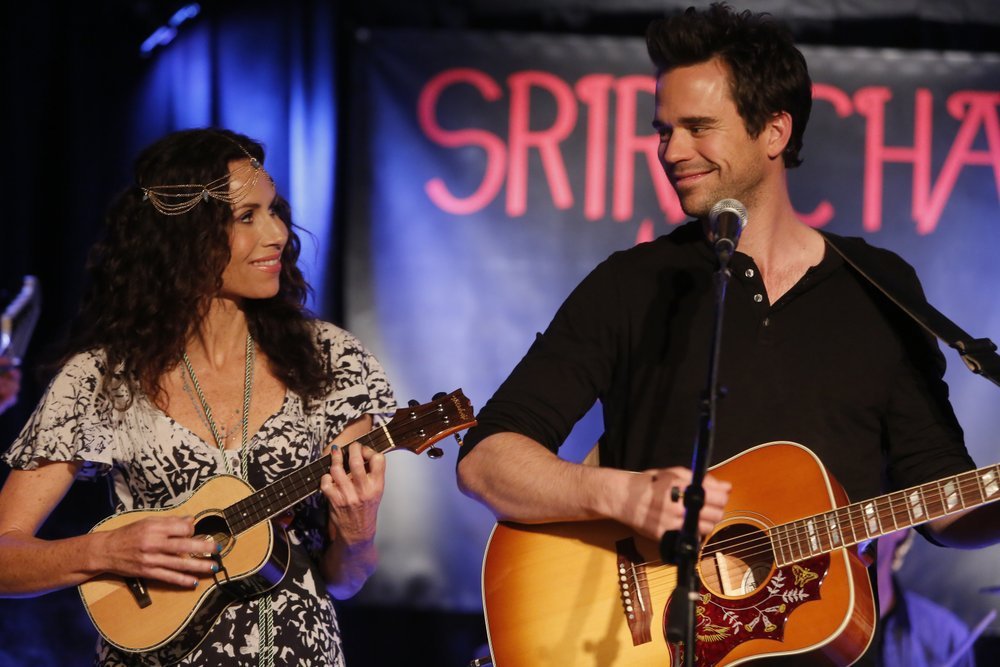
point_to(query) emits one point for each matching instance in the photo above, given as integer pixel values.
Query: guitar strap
(979, 354)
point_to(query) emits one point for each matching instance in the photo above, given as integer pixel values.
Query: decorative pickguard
(722, 623)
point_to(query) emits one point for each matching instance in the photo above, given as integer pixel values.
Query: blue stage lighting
(166, 33)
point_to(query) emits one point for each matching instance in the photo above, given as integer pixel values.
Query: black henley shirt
(832, 365)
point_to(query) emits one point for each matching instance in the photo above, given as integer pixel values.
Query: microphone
(726, 221)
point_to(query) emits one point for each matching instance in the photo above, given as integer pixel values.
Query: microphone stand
(681, 547)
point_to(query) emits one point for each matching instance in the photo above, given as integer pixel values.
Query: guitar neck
(294, 487)
(858, 522)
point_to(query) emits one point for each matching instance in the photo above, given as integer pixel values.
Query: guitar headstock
(417, 427)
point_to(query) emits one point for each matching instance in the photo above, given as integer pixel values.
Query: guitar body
(168, 622)
(595, 594)
(164, 623)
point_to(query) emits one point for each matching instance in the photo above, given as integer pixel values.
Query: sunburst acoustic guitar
(779, 575)
(167, 622)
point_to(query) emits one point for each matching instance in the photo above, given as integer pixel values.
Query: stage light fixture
(166, 33)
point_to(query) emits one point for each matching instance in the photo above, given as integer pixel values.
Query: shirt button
(767, 322)
(749, 273)
(758, 298)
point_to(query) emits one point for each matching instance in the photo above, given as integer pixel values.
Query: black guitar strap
(979, 354)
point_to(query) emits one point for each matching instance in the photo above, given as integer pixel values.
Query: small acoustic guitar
(778, 575)
(167, 622)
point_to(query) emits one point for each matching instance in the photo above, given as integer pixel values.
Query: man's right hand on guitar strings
(574, 492)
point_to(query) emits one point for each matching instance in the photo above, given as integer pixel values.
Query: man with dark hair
(767, 72)
(809, 353)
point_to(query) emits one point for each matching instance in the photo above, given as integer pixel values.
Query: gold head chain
(178, 199)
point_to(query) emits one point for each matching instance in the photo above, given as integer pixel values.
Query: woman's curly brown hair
(153, 276)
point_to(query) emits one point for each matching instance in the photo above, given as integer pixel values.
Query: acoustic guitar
(778, 576)
(166, 622)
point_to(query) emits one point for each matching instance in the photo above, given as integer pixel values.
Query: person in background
(916, 632)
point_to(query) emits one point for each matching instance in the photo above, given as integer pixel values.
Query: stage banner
(489, 172)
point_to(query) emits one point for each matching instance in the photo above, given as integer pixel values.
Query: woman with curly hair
(193, 355)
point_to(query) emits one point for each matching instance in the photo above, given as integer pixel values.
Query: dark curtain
(79, 103)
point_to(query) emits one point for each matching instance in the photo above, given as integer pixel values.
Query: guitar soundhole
(215, 527)
(736, 561)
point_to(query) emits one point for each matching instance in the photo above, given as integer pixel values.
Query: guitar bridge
(634, 591)
(221, 576)
(137, 587)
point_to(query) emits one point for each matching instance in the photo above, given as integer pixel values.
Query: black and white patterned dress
(154, 462)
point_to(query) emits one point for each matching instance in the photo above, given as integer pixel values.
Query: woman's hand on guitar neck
(353, 499)
(648, 502)
(163, 548)
(352, 506)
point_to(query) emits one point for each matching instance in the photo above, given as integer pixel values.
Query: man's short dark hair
(768, 74)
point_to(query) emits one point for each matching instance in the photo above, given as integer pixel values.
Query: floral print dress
(152, 461)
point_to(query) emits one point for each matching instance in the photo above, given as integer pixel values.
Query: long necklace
(207, 409)
(227, 429)
(265, 613)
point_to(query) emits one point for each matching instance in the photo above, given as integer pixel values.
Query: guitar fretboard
(855, 523)
(275, 498)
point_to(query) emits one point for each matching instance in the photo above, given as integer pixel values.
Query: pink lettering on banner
(546, 141)
(507, 160)
(645, 233)
(977, 110)
(870, 103)
(841, 103)
(496, 149)
(511, 158)
(594, 91)
(628, 144)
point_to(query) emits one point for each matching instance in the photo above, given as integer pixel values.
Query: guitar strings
(825, 532)
(649, 578)
(794, 535)
(304, 482)
(828, 539)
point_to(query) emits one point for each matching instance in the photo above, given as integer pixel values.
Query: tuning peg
(458, 438)
(433, 452)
